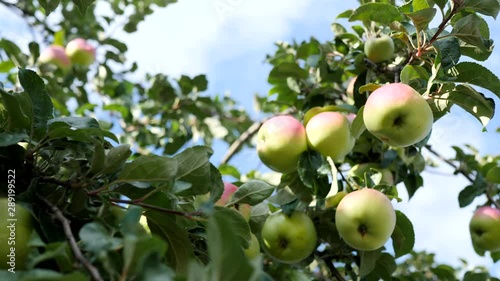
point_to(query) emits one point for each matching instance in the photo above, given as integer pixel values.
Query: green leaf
(403, 237)
(78, 128)
(116, 158)
(358, 125)
(476, 74)
(20, 110)
(238, 224)
(83, 5)
(310, 171)
(150, 168)
(7, 139)
(194, 168)
(98, 159)
(228, 262)
(469, 193)
(252, 192)
(473, 102)
(378, 12)
(42, 105)
(384, 267)
(180, 249)
(368, 261)
(6, 66)
(413, 72)
(444, 272)
(59, 37)
(49, 5)
(46, 275)
(200, 82)
(281, 72)
(476, 276)
(485, 7)
(468, 30)
(422, 18)
(97, 239)
(449, 49)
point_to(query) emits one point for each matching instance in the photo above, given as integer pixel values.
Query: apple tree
(110, 177)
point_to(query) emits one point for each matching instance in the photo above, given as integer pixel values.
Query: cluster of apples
(77, 52)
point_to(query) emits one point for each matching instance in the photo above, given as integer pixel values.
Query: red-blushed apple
(379, 49)
(289, 239)
(359, 170)
(280, 142)
(329, 133)
(80, 52)
(14, 235)
(397, 115)
(350, 116)
(484, 229)
(365, 219)
(55, 55)
(229, 190)
(253, 249)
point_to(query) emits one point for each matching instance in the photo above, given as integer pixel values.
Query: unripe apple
(55, 55)
(359, 170)
(280, 142)
(329, 133)
(289, 239)
(484, 229)
(397, 115)
(14, 235)
(333, 201)
(379, 49)
(80, 52)
(493, 175)
(245, 211)
(365, 219)
(229, 190)
(253, 249)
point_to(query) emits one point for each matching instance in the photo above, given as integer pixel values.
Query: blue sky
(228, 40)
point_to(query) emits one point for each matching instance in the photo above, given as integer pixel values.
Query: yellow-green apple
(359, 170)
(365, 219)
(55, 55)
(227, 194)
(379, 49)
(484, 229)
(289, 239)
(16, 226)
(397, 115)
(280, 142)
(333, 201)
(329, 133)
(253, 249)
(80, 52)
(245, 211)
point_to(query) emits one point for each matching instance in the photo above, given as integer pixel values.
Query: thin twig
(94, 273)
(252, 130)
(191, 215)
(447, 161)
(329, 263)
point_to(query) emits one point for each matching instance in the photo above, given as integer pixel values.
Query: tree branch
(191, 216)
(94, 273)
(252, 130)
(447, 161)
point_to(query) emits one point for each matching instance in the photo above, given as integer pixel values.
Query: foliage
(102, 176)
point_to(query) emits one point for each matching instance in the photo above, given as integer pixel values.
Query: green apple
(493, 175)
(55, 55)
(333, 201)
(379, 49)
(253, 249)
(397, 115)
(227, 194)
(359, 170)
(365, 219)
(484, 229)
(289, 239)
(329, 133)
(80, 52)
(280, 142)
(14, 235)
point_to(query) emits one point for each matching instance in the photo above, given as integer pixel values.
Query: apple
(493, 175)
(253, 249)
(379, 49)
(397, 115)
(365, 219)
(280, 142)
(80, 52)
(227, 194)
(333, 201)
(329, 133)
(359, 170)
(55, 55)
(289, 239)
(245, 211)
(484, 229)
(14, 235)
